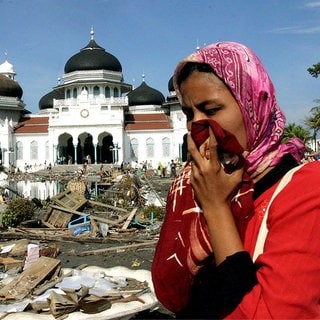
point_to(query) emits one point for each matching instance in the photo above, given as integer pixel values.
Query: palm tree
(292, 130)
(313, 123)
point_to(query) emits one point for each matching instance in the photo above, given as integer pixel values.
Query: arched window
(107, 92)
(134, 148)
(96, 91)
(19, 150)
(68, 94)
(34, 150)
(74, 93)
(166, 147)
(116, 92)
(150, 148)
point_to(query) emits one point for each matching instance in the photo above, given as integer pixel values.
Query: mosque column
(75, 146)
(95, 153)
(55, 154)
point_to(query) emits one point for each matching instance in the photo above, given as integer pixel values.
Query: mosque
(92, 116)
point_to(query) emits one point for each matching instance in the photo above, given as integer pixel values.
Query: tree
(313, 123)
(314, 70)
(292, 130)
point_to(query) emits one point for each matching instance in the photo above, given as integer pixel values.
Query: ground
(135, 259)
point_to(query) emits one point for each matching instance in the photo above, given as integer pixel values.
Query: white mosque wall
(32, 151)
(153, 146)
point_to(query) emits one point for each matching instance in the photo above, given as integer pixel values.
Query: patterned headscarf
(243, 73)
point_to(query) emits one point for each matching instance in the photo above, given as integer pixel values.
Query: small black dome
(145, 95)
(46, 102)
(92, 57)
(9, 87)
(170, 85)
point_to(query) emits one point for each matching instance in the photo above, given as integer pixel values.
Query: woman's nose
(197, 115)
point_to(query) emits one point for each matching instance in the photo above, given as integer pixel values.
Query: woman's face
(205, 96)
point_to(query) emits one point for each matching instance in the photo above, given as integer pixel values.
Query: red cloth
(184, 242)
(227, 142)
(289, 274)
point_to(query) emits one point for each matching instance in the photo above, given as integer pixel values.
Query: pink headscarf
(243, 73)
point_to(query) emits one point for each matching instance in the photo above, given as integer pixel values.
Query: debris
(23, 284)
(32, 255)
(80, 225)
(123, 208)
(11, 263)
(129, 219)
(119, 248)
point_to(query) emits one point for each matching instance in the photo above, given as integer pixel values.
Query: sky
(151, 36)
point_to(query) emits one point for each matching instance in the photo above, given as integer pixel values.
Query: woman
(205, 264)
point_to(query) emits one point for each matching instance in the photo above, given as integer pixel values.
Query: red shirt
(289, 274)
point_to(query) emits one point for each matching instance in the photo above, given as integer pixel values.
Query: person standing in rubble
(173, 169)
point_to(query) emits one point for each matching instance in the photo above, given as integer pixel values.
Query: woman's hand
(214, 188)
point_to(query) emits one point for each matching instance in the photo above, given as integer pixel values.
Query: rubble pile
(43, 287)
(31, 276)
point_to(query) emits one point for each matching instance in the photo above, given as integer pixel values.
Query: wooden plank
(118, 248)
(70, 200)
(58, 218)
(10, 263)
(23, 284)
(129, 219)
(104, 220)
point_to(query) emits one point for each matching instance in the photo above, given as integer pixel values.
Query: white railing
(113, 101)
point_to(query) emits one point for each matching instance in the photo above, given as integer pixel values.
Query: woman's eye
(212, 111)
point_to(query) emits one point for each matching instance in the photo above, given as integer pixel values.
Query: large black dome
(46, 102)
(92, 57)
(9, 87)
(145, 95)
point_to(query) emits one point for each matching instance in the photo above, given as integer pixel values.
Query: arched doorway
(105, 148)
(65, 152)
(85, 148)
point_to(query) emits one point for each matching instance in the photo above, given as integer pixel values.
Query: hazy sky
(151, 36)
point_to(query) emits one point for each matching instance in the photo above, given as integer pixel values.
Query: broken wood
(10, 263)
(70, 200)
(24, 283)
(129, 219)
(118, 248)
(107, 221)
(54, 280)
(163, 203)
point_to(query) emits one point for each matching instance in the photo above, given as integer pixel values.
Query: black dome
(92, 57)
(9, 87)
(170, 85)
(144, 95)
(46, 102)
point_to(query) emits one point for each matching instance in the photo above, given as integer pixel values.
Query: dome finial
(143, 77)
(92, 33)
(198, 47)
